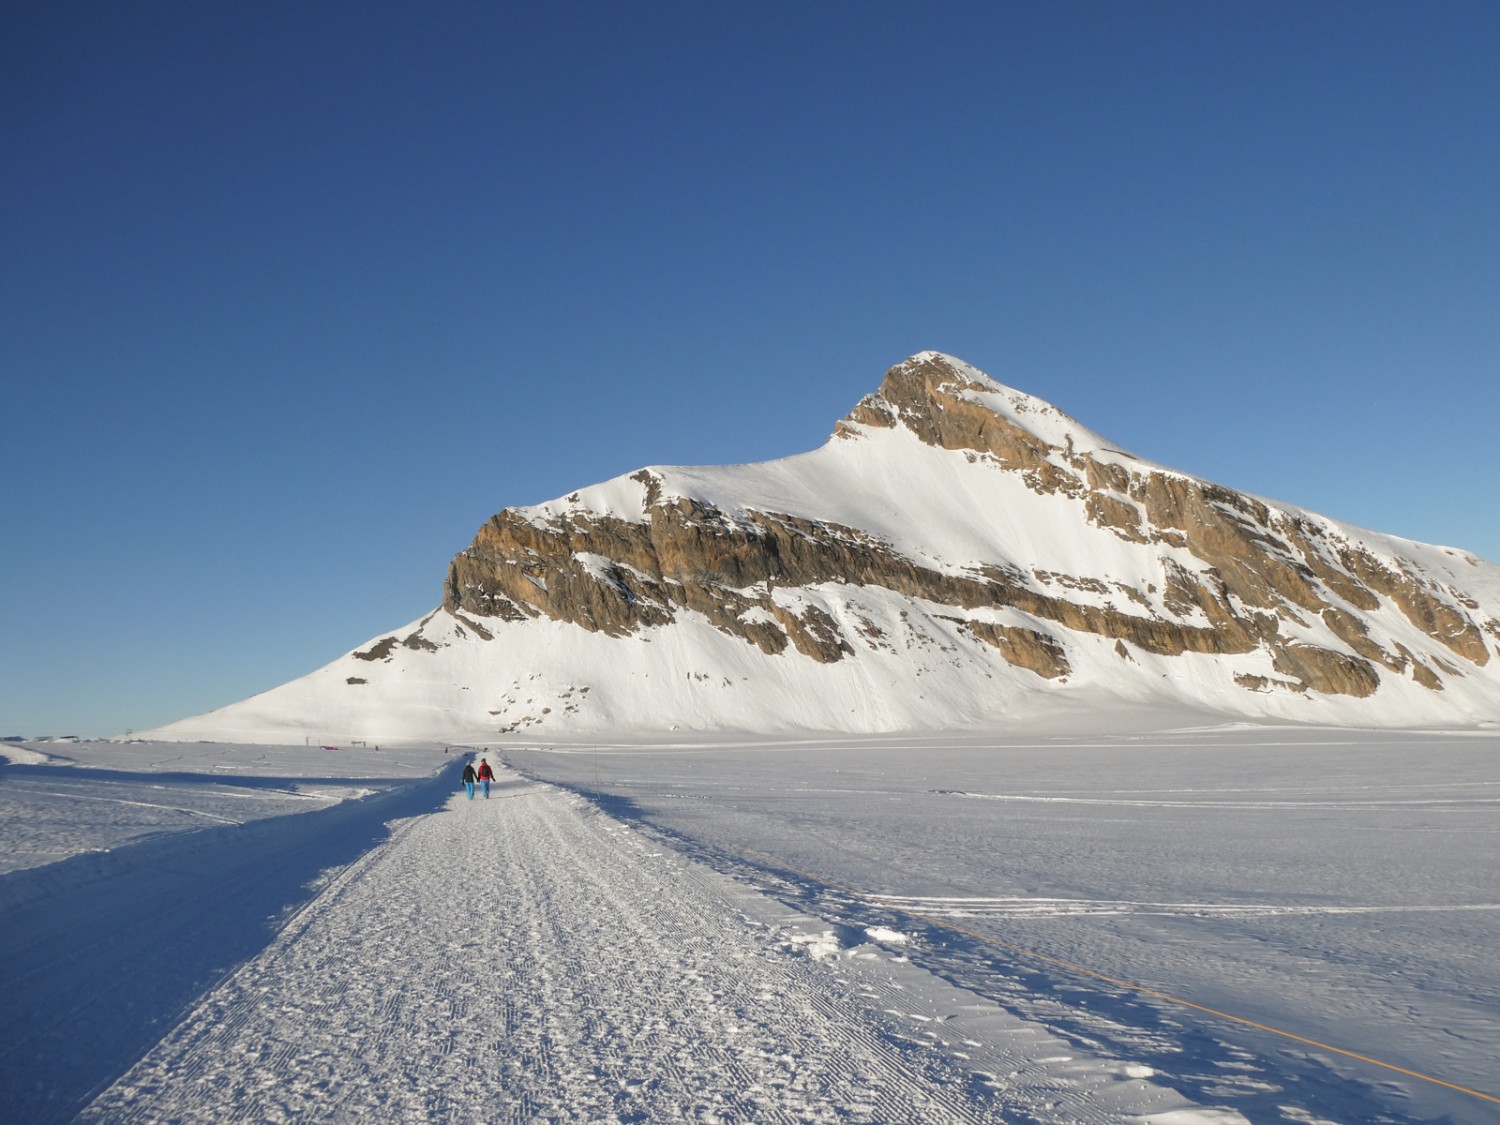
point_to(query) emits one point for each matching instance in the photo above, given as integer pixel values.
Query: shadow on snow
(102, 953)
(1209, 1061)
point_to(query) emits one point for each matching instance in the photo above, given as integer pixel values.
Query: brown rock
(1234, 572)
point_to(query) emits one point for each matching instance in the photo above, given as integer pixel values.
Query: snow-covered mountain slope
(958, 554)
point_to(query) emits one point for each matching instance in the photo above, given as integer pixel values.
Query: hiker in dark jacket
(469, 778)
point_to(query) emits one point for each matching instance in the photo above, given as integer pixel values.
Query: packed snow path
(528, 958)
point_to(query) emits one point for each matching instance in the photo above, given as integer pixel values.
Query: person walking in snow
(469, 779)
(485, 775)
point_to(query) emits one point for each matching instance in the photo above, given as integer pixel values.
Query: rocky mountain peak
(1108, 549)
(949, 404)
(957, 553)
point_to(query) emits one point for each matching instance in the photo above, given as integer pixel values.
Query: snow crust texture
(1161, 926)
(526, 958)
(958, 554)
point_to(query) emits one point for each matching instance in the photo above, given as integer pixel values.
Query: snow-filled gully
(530, 958)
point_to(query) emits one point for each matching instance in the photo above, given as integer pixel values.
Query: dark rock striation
(1233, 574)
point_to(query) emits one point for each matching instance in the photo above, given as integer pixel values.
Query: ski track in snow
(1067, 907)
(1239, 806)
(529, 958)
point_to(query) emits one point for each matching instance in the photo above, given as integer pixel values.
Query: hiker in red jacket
(485, 775)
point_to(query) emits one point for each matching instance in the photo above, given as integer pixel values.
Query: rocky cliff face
(958, 554)
(1177, 565)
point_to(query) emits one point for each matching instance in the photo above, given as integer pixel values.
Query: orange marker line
(989, 940)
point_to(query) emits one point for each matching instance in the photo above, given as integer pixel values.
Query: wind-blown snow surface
(862, 930)
(914, 665)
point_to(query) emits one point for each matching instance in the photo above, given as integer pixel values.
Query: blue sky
(294, 296)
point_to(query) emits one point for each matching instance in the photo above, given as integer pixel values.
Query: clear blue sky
(294, 296)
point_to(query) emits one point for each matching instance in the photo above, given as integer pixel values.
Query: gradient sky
(294, 296)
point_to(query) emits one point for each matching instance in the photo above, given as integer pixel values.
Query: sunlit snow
(1190, 924)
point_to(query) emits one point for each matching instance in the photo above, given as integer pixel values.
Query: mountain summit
(958, 554)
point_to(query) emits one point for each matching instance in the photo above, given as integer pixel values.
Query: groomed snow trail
(528, 958)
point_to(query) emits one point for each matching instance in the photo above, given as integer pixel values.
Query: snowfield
(1226, 924)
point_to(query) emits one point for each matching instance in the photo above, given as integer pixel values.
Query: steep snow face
(958, 554)
(850, 483)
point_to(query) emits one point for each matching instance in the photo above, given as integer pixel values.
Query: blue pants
(486, 786)
(469, 785)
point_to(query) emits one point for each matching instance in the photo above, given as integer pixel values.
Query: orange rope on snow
(989, 940)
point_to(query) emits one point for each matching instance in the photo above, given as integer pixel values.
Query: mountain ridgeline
(1232, 574)
(958, 554)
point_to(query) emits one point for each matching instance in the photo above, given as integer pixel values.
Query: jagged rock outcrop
(958, 554)
(1218, 572)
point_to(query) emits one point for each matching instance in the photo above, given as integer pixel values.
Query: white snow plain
(1225, 924)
